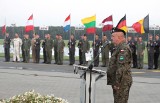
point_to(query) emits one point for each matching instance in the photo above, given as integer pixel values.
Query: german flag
(122, 24)
(142, 26)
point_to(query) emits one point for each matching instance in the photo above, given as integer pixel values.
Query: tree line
(53, 30)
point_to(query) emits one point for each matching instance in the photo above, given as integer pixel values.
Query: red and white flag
(4, 29)
(29, 25)
(107, 23)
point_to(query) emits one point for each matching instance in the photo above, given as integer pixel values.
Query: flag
(29, 25)
(122, 24)
(67, 23)
(142, 26)
(90, 23)
(107, 23)
(4, 29)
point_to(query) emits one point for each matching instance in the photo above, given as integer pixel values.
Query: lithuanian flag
(122, 24)
(90, 23)
(142, 26)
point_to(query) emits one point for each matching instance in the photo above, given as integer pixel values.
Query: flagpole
(70, 31)
(33, 25)
(126, 36)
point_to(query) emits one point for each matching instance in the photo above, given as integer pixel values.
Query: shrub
(33, 97)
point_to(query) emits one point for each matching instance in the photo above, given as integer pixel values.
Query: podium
(88, 82)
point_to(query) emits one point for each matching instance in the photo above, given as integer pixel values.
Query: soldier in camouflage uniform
(60, 49)
(33, 48)
(140, 52)
(26, 48)
(105, 51)
(85, 49)
(55, 43)
(48, 47)
(119, 71)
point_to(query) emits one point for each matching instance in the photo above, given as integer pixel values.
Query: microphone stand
(90, 67)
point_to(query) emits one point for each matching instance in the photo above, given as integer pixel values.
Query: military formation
(27, 45)
(138, 47)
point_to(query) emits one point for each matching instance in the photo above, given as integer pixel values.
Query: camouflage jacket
(119, 72)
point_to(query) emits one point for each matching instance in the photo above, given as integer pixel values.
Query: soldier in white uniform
(17, 42)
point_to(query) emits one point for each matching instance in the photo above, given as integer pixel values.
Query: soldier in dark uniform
(85, 49)
(96, 44)
(132, 45)
(7, 42)
(26, 48)
(44, 48)
(37, 48)
(55, 49)
(156, 53)
(22, 46)
(119, 71)
(80, 43)
(71, 46)
(150, 48)
(60, 49)
(105, 51)
(134, 55)
(49, 46)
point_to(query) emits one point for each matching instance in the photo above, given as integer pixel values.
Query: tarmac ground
(17, 78)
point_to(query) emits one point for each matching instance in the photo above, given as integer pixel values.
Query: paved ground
(16, 78)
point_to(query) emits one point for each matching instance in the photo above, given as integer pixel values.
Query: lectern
(88, 82)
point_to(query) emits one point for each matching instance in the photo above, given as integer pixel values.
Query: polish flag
(107, 23)
(67, 23)
(29, 25)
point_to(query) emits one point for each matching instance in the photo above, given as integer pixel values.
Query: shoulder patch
(121, 58)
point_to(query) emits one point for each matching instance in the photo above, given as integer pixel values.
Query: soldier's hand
(148, 42)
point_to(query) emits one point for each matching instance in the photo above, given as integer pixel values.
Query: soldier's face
(150, 37)
(157, 37)
(115, 38)
(140, 39)
(85, 38)
(129, 38)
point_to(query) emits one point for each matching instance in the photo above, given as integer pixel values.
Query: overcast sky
(54, 12)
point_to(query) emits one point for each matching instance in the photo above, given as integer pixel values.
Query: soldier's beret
(117, 30)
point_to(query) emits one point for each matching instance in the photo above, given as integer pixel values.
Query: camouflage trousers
(121, 95)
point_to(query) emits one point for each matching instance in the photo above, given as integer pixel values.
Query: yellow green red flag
(89, 23)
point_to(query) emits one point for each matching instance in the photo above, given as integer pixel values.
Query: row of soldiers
(25, 44)
(137, 46)
(58, 44)
(84, 47)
